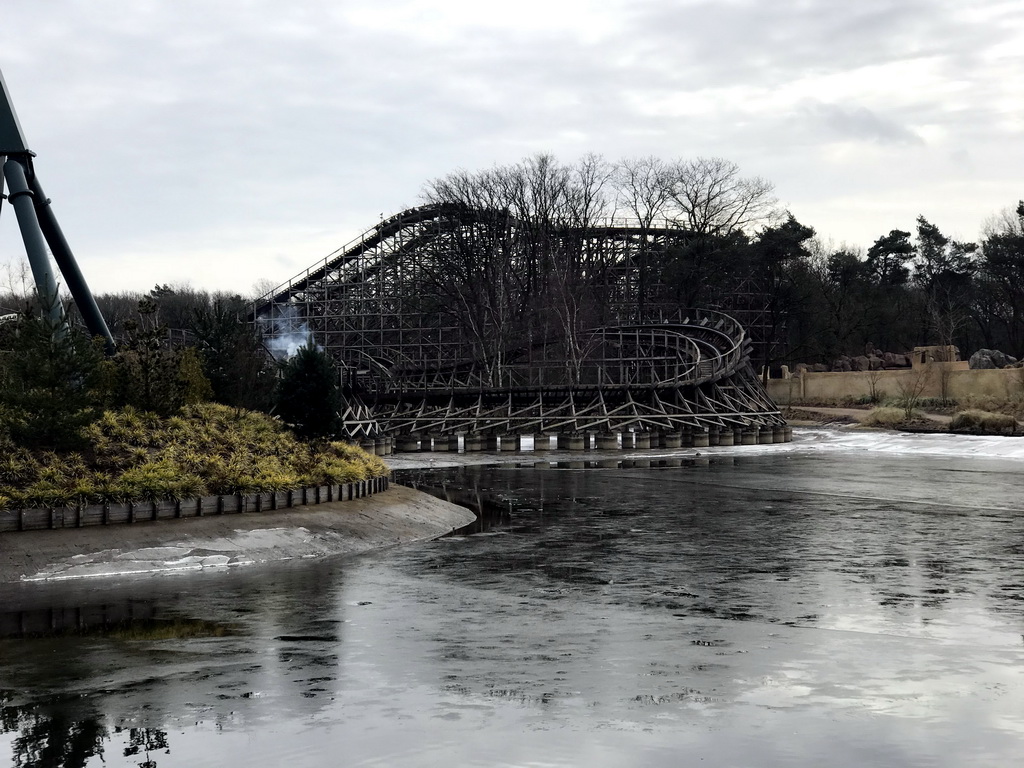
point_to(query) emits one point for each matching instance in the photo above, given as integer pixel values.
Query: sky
(229, 144)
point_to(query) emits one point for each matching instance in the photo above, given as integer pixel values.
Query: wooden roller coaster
(446, 320)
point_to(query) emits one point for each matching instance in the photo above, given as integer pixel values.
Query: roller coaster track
(425, 365)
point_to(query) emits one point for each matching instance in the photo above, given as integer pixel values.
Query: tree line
(711, 237)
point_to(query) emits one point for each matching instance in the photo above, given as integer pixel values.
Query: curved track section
(452, 320)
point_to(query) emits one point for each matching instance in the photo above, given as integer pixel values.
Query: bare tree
(911, 388)
(713, 198)
(643, 188)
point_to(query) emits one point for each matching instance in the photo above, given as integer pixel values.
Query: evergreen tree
(308, 398)
(47, 383)
(240, 371)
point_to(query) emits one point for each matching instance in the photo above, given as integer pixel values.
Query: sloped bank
(398, 516)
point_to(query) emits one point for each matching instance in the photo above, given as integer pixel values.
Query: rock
(819, 368)
(990, 358)
(842, 365)
(875, 363)
(860, 363)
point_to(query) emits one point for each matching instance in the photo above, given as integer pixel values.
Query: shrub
(885, 417)
(974, 420)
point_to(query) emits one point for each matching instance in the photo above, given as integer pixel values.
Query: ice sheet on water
(932, 444)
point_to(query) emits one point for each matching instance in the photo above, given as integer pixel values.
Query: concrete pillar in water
(628, 443)
(474, 442)
(510, 442)
(671, 439)
(380, 446)
(368, 444)
(765, 435)
(700, 438)
(440, 444)
(570, 441)
(714, 436)
(408, 443)
(749, 436)
(642, 440)
(491, 442)
(541, 442)
(607, 441)
(453, 443)
(725, 436)
(778, 434)
(789, 433)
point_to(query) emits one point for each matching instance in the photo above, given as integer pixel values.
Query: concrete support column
(607, 441)
(453, 443)
(510, 443)
(474, 442)
(369, 445)
(714, 436)
(570, 441)
(749, 436)
(440, 444)
(725, 436)
(408, 443)
(789, 433)
(628, 443)
(765, 435)
(700, 438)
(671, 439)
(381, 446)
(778, 434)
(642, 440)
(491, 442)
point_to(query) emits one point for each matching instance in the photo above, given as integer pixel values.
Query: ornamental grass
(205, 449)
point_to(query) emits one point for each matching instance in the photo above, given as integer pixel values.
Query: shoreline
(400, 515)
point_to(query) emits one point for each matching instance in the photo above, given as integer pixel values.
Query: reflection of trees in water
(57, 736)
(145, 741)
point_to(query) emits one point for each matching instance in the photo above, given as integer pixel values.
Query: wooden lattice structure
(445, 319)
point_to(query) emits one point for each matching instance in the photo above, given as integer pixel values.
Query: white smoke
(284, 333)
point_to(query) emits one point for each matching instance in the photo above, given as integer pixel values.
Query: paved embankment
(398, 516)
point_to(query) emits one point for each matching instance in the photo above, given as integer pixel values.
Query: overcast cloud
(221, 143)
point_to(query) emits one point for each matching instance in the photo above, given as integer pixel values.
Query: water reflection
(52, 736)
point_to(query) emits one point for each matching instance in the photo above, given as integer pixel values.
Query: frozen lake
(848, 599)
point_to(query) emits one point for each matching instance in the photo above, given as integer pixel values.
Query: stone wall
(938, 380)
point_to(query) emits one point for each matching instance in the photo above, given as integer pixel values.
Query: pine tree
(47, 383)
(308, 398)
